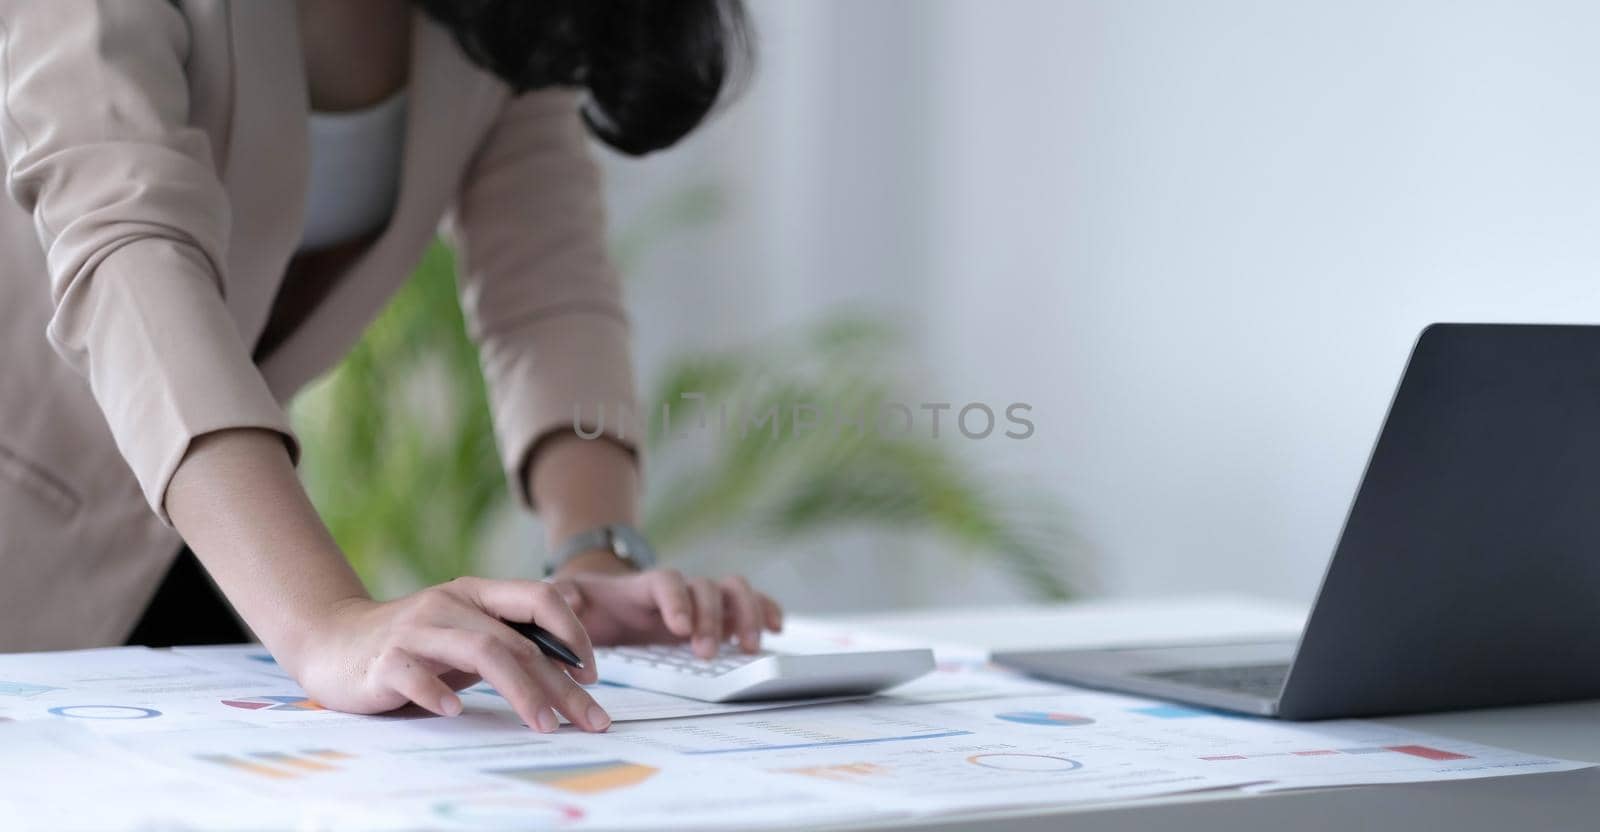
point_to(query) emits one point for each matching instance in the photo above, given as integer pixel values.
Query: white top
(355, 172)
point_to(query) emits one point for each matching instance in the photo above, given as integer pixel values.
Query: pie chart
(273, 703)
(1035, 763)
(105, 712)
(1058, 720)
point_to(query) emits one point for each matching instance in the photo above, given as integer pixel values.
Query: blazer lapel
(267, 156)
(448, 108)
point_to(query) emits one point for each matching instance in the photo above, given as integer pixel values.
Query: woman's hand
(237, 501)
(370, 657)
(661, 605)
(581, 484)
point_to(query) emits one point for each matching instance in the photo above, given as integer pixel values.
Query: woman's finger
(537, 602)
(570, 592)
(570, 698)
(671, 595)
(407, 675)
(557, 682)
(707, 617)
(560, 689)
(743, 611)
(773, 613)
(486, 656)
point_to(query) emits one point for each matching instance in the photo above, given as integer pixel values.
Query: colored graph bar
(1427, 753)
(513, 811)
(828, 743)
(258, 769)
(291, 761)
(24, 689)
(1422, 751)
(843, 772)
(477, 746)
(583, 778)
(1044, 718)
(1170, 712)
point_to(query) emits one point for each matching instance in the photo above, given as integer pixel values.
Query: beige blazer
(155, 158)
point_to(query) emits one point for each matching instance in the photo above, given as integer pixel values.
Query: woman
(209, 200)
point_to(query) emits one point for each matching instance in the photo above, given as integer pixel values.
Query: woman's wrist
(581, 484)
(594, 561)
(296, 635)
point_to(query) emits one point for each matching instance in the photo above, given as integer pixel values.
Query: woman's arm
(238, 504)
(544, 305)
(133, 219)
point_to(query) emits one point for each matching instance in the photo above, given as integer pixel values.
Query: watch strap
(610, 538)
(596, 538)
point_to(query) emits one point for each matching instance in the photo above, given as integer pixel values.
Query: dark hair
(653, 69)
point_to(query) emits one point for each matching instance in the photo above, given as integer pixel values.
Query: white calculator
(735, 676)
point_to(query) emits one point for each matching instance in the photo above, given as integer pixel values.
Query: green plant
(399, 452)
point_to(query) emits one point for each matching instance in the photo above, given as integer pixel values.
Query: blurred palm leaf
(400, 452)
(837, 472)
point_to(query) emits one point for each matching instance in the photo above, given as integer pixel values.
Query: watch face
(628, 543)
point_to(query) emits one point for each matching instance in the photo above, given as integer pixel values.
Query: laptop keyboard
(1254, 680)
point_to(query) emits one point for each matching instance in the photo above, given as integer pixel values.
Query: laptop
(1468, 571)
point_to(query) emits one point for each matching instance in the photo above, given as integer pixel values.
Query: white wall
(1198, 236)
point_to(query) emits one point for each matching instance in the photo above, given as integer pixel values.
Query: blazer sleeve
(541, 297)
(134, 223)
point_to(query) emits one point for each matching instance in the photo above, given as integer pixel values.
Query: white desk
(1532, 803)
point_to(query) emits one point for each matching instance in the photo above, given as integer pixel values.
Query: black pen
(548, 644)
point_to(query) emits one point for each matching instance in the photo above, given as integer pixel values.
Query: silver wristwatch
(619, 539)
